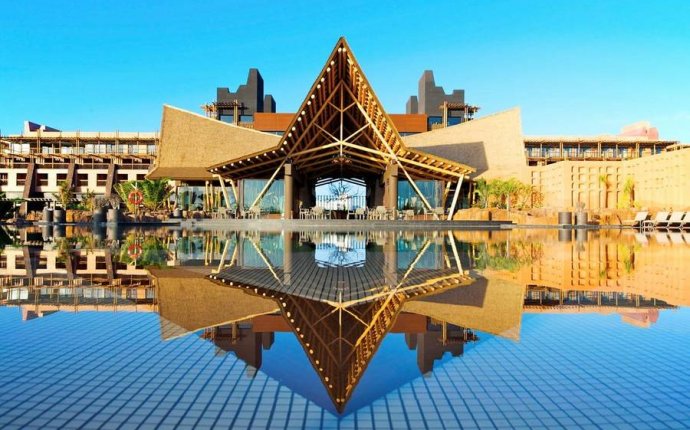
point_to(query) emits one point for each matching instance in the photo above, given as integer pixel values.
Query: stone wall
(660, 181)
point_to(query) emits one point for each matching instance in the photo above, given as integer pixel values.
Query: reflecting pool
(166, 327)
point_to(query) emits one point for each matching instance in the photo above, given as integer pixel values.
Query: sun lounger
(673, 221)
(640, 218)
(660, 217)
(685, 223)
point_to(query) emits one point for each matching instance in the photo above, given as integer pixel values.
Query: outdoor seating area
(663, 220)
(316, 212)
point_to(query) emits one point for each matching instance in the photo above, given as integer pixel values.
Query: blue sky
(574, 67)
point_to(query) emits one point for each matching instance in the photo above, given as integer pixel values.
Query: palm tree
(481, 191)
(509, 188)
(629, 190)
(156, 192)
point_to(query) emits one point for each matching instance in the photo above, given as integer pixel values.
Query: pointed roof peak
(342, 123)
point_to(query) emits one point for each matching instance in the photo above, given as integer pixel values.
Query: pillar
(390, 258)
(289, 184)
(287, 258)
(391, 187)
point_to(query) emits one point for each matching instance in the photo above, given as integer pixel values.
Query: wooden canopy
(341, 125)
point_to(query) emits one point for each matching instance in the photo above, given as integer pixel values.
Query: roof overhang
(341, 124)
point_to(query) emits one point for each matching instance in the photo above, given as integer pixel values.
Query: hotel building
(244, 152)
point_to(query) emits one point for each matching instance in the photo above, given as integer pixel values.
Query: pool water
(373, 329)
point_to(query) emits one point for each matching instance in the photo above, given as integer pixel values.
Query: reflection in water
(341, 294)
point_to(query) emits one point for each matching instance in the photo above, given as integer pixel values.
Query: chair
(435, 213)
(651, 224)
(407, 214)
(304, 213)
(254, 212)
(358, 213)
(381, 213)
(674, 221)
(361, 213)
(685, 223)
(317, 212)
(221, 213)
(640, 218)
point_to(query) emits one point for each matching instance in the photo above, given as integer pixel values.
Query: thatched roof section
(493, 145)
(191, 142)
(189, 302)
(341, 121)
(493, 306)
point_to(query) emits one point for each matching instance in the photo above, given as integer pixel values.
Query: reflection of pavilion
(340, 313)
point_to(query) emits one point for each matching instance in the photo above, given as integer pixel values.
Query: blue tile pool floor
(100, 370)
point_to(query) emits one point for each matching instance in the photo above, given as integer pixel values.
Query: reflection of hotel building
(266, 286)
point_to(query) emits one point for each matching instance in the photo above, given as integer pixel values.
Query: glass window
(434, 120)
(227, 118)
(272, 247)
(83, 179)
(409, 199)
(246, 118)
(273, 200)
(454, 120)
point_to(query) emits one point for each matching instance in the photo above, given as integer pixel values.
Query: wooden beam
(451, 211)
(223, 190)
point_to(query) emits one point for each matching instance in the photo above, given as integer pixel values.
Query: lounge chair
(651, 224)
(640, 218)
(674, 221)
(685, 223)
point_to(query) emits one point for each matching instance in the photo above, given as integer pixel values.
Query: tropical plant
(7, 207)
(481, 193)
(64, 195)
(629, 190)
(123, 189)
(115, 201)
(88, 200)
(156, 192)
(144, 251)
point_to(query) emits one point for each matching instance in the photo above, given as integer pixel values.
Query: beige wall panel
(190, 143)
(493, 145)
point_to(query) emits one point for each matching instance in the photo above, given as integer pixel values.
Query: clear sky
(574, 67)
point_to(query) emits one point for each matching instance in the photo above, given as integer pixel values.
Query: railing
(339, 203)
